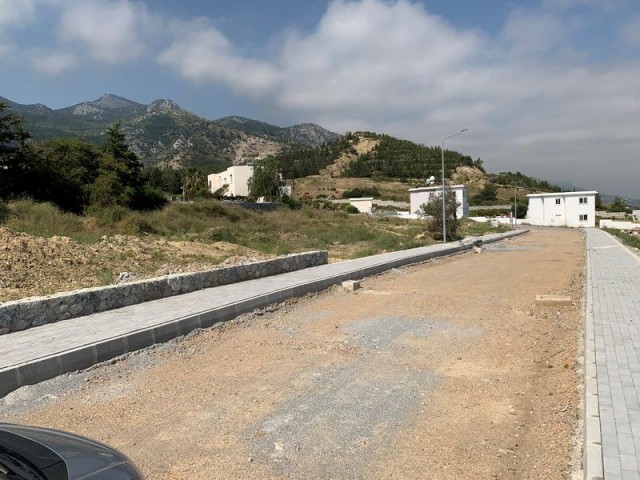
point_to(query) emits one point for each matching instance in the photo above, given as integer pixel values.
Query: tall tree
(265, 182)
(15, 155)
(116, 145)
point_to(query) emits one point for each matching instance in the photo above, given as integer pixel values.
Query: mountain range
(164, 134)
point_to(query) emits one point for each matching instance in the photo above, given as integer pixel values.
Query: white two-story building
(421, 195)
(563, 209)
(236, 178)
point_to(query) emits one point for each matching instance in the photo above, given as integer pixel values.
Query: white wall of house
(364, 204)
(422, 195)
(237, 179)
(619, 225)
(562, 209)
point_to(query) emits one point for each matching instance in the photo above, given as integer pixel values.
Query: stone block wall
(33, 312)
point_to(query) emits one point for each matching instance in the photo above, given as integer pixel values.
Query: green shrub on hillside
(352, 209)
(360, 192)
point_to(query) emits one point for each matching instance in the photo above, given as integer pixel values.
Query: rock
(351, 285)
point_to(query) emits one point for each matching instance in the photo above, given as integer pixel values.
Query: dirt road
(447, 370)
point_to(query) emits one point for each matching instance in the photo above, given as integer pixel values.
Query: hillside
(164, 134)
(389, 166)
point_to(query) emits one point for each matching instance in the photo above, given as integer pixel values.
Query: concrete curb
(592, 457)
(43, 368)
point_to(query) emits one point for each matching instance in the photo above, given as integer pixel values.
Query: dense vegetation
(522, 180)
(395, 158)
(302, 162)
(72, 173)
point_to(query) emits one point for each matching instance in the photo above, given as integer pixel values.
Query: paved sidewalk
(613, 309)
(40, 353)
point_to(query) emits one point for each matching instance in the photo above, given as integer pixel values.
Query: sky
(550, 88)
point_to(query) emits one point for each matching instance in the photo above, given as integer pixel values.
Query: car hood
(83, 458)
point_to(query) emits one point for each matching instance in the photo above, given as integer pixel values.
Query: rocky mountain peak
(164, 105)
(108, 100)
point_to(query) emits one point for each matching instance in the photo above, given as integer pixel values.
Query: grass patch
(470, 228)
(4, 213)
(277, 232)
(46, 220)
(629, 240)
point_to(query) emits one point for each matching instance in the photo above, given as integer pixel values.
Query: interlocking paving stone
(613, 285)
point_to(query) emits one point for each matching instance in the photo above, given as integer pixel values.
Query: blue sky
(547, 87)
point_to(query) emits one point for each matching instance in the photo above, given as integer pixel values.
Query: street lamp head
(464, 130)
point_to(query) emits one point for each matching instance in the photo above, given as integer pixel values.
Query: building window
(583, 200)
(584, 218)
(557, 201)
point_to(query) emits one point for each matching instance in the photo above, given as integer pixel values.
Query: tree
(619, 204)
(598, 202)
(68, 168)
(15, 155)
(521, 210)
(195, 185)
(487, 195)
(265, 182)
(432, 211)
(116, 145)
(120, 180)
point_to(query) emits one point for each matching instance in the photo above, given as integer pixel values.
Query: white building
(364, 204)
(564, 209)
(420, 196)
(236, 178)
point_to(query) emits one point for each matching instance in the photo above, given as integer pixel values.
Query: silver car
(31, 453)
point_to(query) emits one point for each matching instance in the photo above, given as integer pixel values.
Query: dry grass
(278, 232)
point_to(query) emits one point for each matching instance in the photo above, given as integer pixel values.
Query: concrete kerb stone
(38, 371)
(78, 359)
(84, 357)
(110, 349)
(593, 464)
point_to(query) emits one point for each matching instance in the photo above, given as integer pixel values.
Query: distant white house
(236, 178)
(420, 196)
(562, 209)
(364, 204)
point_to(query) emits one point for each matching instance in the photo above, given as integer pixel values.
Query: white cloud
(364, 55)
(106, 30)
(53, 62)
(530, 32)
(202, 53)
(14, 12)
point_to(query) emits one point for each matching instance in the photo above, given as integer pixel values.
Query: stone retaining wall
(33, 312)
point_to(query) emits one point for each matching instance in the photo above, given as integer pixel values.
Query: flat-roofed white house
(236, 178)
(421, 195)
(562, 209)
(364, 204)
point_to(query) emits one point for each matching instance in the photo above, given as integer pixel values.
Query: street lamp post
(515, 207)
(444, 211)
